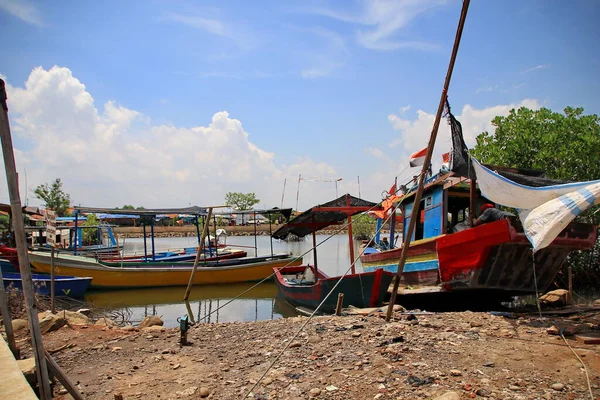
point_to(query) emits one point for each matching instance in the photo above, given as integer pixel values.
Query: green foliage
(54, 196)
(90, 235)
(4, 225)
(241, 201)
(130, 207)
(565, 146)
(363, 226)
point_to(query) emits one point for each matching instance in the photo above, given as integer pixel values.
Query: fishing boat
(148, 274)
(307, 286)
(70, 286)
(448, 254)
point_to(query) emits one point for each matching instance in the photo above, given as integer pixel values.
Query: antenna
(298, 191)
(283, 193)
(358, 177)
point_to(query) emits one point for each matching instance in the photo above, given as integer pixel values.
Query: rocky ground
(459, 355)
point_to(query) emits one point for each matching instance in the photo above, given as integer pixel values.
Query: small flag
(418, 158)
(393, 189)
(446, 160)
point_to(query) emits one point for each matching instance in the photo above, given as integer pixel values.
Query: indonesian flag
(418, 158)
(446, 160)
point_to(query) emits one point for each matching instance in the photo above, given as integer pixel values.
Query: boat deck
(13, 384)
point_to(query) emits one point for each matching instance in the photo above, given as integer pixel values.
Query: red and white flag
(418, 158)
(392, 190)
(446, 160)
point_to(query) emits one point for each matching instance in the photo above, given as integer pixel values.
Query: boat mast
(430, 146)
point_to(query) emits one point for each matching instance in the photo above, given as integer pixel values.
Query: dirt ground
(476, 355)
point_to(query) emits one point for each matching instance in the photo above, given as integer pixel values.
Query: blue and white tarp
(544, 211)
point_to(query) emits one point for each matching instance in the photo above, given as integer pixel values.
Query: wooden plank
(591, 338)
(199, 254)
(62, 377)
(19, 229)
(13, 385)
(10, 335)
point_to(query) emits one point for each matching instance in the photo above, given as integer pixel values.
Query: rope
(308, 320)
(279, 269)
(560, 332)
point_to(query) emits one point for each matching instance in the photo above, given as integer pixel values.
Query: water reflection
(207, 303)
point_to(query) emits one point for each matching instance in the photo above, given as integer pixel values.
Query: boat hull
(367, 289)
(70, 286)
(161, 274)
(493, 257)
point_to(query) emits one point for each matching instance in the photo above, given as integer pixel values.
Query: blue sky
(321, 88)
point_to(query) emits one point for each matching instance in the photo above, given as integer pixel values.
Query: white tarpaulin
(507, 193)
(544, 211)
(544, 223)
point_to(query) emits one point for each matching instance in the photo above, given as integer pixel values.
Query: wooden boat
(306, 286)
(116, 275)
(70, 286)
(173, 256)
(447, 255)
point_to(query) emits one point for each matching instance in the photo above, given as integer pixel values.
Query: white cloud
(331, 55)
(414, 134)
(114, 155)
(382, 21)
(23, 10)
(215, 27)
(541, 66)
(405, 109)
(487, 88)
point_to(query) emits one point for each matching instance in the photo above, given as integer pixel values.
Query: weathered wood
(570, 296)
(588, 339)
(10, 335)
(199, 254)
(340, 302)
(62, 377)
(19, 230)
(426, 164)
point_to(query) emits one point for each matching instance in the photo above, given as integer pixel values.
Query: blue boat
(71, 286)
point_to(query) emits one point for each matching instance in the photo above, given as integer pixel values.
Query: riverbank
(415, 356)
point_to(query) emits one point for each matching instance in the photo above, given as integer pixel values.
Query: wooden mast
(19, 228)
(430, 146)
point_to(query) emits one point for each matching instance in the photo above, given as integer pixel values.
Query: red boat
(307, 286)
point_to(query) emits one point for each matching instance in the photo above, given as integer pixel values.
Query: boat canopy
(324, 215)
(193, 210)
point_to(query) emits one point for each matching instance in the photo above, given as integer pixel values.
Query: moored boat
(307, 286)
(116, 275)
(71, 286)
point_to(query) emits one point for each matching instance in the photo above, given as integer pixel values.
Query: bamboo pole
(198, 254)
(10, 335)
(19, 228)
(62, 377)
(430, 146)
(340, 302)
(52, 283)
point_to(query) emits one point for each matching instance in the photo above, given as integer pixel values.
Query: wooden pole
(340, 302)
(430, 146)
(19, 228)
(570, 276)
(472, 195)
(350, 237)
(198, 254)
(62, 377)
(52, 280)
(10, 335)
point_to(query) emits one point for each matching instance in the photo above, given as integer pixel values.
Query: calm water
(206, 301)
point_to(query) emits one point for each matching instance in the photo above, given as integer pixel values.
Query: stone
(106, 322)
(314, 392)
(355, 334)
(154, 328)
(51, 322)
(28, 368)
(203, 392)
(189, 391)
(558, 297)
(19, 325)
(295, 344)
(331, 388)
(557, 386)
(128, 328)
(74, 318)
(483, 392)
(448, 396)
(455, 372)
(152, 320)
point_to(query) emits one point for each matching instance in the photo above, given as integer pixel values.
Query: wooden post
(62, 377)
(350, 237)
(19, 229)
(314, 238)
(340, 302)
(52, 280)
(570, 276)
(426, 164)
(198, 254)
(472, 195)
(7, 319)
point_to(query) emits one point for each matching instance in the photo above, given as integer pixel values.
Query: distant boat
(149, 274)
(306, 286)
(70, 286)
